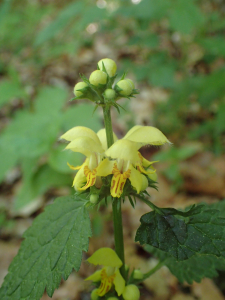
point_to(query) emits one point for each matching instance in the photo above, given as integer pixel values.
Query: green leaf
(184, 234)
(52, 247)
(179, 16)
(81, 115)
(193, 269)
(58, 158)
(66, 15)
(39, 183)
(10, 89)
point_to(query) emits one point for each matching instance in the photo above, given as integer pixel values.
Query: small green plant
(190, 242)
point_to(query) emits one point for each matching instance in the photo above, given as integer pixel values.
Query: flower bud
(131, 292)
(110, 66)
(109, 94)
(138, 274)
(131, 82)
(79, 86)
(144, 183)
(153, 176)
(94, 294)
(94, 198)
(98, 77)
(125, 87)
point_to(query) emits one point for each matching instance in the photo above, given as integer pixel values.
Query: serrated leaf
(52, 247)
(193, 269)
(199, 231)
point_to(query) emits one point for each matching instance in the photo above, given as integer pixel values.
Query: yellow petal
(96, 276)
(105, 257)
(147, 135)
(132, 130)
(136, 179)
(85, 145)
(78, 131)
(74, 168)
(105, 167)
(119, 283)
(146, 163)
(80, 178)
(102, 137)
(125, 150)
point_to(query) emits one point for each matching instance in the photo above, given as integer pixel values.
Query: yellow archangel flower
(124, 160)
(92, 145)
(109, 274)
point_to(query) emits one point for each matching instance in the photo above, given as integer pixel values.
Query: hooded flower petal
(124, 149)
(146, 135)
(78, 131)
(102, 137)
(106, 257)
(85, 145)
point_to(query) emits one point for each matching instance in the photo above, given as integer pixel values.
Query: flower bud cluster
(100, 87)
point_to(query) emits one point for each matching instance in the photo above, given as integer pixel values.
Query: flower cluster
(120, 163)
(110, 276)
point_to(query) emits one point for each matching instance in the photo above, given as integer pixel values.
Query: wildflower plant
(191, 243)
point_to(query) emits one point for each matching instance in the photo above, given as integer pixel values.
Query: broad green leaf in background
(81, 115)
(196, 267)
(184, 234)
(52, 248)
(185, 16)
(193, 269)
(38, 183)
(9, 89)
(58, 158)
(71, 11)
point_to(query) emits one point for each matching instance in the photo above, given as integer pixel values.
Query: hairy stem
(116, 203)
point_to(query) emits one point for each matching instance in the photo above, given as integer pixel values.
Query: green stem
(150, 204)
(118, 233)
(108, 125)
(116, 203)
(153, 270)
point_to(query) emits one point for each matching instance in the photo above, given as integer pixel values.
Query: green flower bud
(110, 66)
(79, 86)
(98, 77)
(125, 87)
(138, 274)
(131, 82)
(109, 94)
(113, 298)
(131, 292)
(94, 198)
(153, 176)
(94, 295)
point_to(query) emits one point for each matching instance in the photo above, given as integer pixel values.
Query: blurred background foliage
(173, 49)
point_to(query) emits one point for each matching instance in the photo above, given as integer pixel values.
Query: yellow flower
(92, 145)
(109, 274)
(124, 160)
